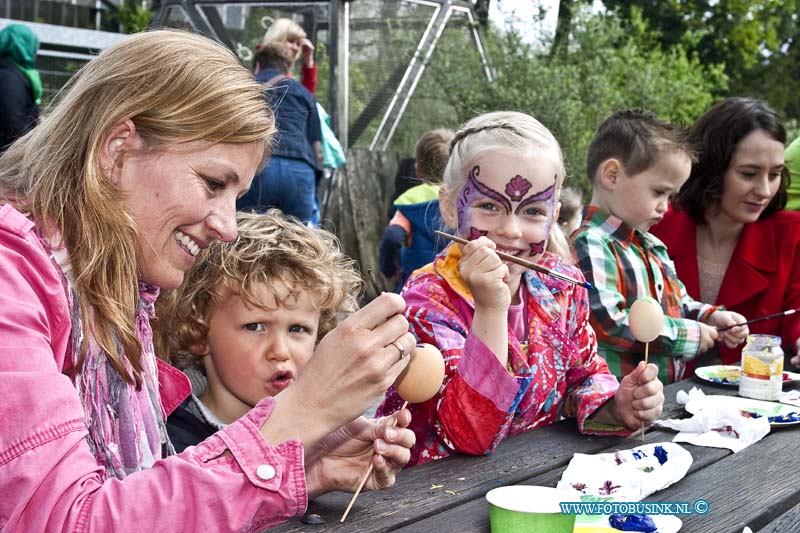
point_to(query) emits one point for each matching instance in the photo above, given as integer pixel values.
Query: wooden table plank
(789, 522)
(476, 513)
(537, 458)
(469, 478)
(749, 488)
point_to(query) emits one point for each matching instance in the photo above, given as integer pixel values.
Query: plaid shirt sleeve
(620, 277)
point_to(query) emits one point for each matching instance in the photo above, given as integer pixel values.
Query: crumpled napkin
(791, 397)
(627, 475)
(716, 426)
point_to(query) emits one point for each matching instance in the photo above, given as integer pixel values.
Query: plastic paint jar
(762, 368)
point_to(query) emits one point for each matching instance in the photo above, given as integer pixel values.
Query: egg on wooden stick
(422, 377)
(646, 318)
(418, 382)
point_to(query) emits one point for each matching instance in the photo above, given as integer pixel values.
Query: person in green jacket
(408, 242)
(20, 84)
(792, 161)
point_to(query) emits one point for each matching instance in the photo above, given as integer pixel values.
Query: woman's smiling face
(182, 198)
(753, 177)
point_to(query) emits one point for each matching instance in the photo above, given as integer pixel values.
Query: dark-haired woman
(731, 239)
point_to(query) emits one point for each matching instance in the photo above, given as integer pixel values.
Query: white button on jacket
(265, 472)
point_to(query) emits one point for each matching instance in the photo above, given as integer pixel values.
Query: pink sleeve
(589, 382)
(49, 480)
(471, 410)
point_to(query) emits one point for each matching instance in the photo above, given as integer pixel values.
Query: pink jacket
(49, 480)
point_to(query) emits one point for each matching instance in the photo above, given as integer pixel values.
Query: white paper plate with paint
(779, 414)
(729, 375)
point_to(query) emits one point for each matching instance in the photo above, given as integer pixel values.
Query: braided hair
(507, 130)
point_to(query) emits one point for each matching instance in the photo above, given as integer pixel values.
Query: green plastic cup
(528, 509)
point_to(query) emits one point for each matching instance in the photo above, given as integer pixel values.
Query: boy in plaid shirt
(636, 162)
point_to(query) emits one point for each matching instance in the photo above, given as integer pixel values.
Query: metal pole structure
(427, 44)
(404, 91)
(340, 67)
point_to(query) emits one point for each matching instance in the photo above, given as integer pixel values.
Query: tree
(605, 67)
(482, 12)
(566, 8)
(754, 40)
(132, 16)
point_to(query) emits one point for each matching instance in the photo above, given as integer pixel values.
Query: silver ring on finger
(400, 348)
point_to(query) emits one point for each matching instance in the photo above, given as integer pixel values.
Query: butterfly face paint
(511, 200)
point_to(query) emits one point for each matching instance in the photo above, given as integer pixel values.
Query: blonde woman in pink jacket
(137, 168)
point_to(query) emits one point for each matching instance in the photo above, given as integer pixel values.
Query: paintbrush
(768, 317)
(522, 262)
(374, 283)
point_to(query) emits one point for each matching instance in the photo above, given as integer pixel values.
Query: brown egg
(646, 318)
(423, 376)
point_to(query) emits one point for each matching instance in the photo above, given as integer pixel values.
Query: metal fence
(63, 49)
(389, 85)
(87, 14)
(397, 53)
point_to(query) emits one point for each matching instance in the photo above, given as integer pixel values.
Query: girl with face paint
(519, 351)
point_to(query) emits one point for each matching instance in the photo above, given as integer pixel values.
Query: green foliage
(756, 41)
(606, 67)
(133, 17)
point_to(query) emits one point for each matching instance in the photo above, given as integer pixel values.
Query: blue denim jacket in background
(296, 117)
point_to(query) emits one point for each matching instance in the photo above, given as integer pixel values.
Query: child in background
(246, 321)
(518, 348)
(636, 162)
(408, 241)
(792, 158)
(569, 218)
(404, 179)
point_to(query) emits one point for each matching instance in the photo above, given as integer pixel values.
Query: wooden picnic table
(758, 487)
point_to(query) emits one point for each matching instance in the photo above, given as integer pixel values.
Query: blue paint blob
(632, 522)
(788, 418)
(785, 419)
(661, 454)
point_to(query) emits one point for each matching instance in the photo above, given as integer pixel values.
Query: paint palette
(778, 414)
(729, 375)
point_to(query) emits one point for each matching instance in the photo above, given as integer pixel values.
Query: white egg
(646, 318)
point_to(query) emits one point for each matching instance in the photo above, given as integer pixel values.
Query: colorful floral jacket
(481, 403)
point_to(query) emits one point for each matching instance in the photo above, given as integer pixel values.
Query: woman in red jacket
(290, 34)
(731, 239)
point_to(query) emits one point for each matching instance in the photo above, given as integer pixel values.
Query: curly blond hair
(269, 248)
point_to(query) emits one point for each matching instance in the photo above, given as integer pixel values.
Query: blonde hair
(175, 87)
(283, 31)
(505, 130)
(269, 248)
